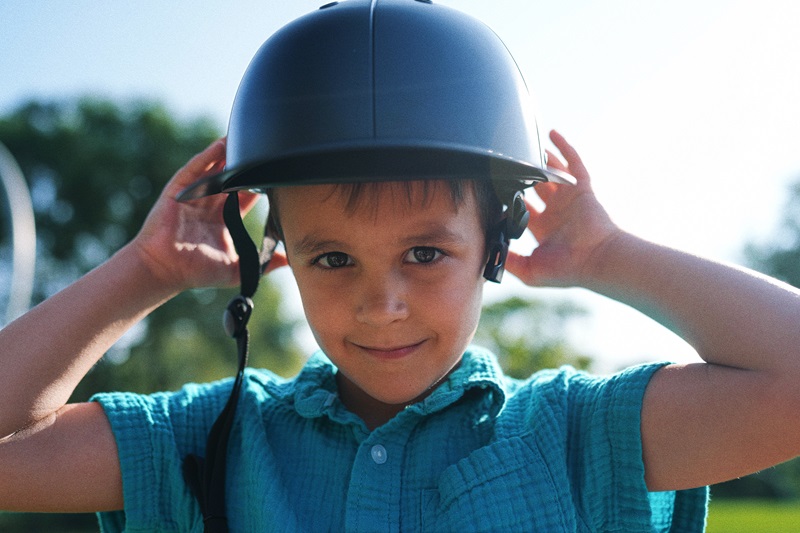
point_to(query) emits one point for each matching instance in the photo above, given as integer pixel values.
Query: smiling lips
(397, 352)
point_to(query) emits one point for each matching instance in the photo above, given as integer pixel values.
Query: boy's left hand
(570, 231)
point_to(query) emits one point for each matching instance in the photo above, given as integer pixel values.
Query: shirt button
(378, 453)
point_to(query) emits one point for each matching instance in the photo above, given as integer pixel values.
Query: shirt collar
(313, 393)
(478, 372)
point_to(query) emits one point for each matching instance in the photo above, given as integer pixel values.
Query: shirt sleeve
(153, 434)
(605, 457)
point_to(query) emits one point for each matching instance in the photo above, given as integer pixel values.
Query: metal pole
(23, 233)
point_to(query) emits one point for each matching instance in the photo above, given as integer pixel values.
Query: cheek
(322, 308)
(459, 304)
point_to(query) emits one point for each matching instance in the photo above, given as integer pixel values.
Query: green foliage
(95, 168)
(781, 482)
(528, 335)
(781, 256)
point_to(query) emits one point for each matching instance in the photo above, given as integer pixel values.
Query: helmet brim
(368, 164)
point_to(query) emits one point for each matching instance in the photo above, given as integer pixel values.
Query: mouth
(391, 352)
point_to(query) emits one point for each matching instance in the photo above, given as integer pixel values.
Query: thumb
(522, 266)
(543, 267)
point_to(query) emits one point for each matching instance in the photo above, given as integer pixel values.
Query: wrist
(141, 268)
(608, 264)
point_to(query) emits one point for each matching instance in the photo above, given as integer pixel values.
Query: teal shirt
(560, 451)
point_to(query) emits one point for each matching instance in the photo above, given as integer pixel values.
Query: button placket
(373, 496)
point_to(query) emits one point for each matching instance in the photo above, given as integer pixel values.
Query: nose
(382, 300)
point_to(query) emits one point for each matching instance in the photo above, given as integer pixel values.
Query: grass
(748, 516)
(724, 516)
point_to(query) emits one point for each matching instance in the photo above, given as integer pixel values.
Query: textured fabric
(560, 451)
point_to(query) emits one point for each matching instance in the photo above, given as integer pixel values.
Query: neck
(373, 412)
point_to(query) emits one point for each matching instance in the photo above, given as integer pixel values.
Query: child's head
(423, 111)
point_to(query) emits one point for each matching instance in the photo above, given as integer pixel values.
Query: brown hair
(490, 207)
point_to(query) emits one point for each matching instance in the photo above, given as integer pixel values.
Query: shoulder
(183, 416)
(153, 434)
(573, 414)
(566, 388)
(587, 430)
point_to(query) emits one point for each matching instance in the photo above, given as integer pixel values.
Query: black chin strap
(206, 476)
(511, 226)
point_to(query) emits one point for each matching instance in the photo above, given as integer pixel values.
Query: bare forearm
(730, 315)
(45, 353)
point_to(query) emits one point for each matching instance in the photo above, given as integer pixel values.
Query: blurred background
(686, 114)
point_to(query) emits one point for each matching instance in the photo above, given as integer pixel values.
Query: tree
(95, 168)
(529, 335)
(780, 257)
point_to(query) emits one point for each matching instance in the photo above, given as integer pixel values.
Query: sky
(686, 113)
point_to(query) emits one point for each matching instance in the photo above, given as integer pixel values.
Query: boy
(399, 424)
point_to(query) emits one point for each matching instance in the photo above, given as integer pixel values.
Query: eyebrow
(434, 235)
(311, 246)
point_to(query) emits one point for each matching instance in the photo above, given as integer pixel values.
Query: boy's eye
(423, 254)
(334, 260)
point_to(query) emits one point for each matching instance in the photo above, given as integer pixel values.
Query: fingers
(546, 190)
(537, 225)
(574, 163)
(554, 162)
(527, 268)
(278, 260)
(517, 264)
(209, 161)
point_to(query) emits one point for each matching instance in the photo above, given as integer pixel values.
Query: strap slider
(237, 315)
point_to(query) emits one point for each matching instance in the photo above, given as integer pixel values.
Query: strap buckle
(236, 316)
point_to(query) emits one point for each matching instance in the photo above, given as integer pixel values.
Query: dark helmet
(374, 90)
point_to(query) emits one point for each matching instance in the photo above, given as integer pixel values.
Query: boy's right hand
(186, 244)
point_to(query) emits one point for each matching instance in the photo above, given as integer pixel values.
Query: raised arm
(62, 457)
(701, 423)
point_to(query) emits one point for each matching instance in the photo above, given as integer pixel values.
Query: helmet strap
(511, 226)
(206, 476)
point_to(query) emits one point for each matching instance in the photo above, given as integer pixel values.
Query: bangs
(417, 193)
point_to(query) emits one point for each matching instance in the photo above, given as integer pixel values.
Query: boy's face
(392, 290)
